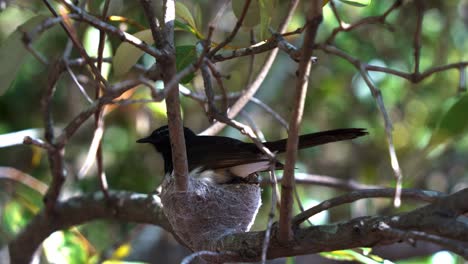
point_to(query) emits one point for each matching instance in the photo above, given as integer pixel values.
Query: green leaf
(252, 18)
(185, 55)
(267, 11)
(358, 3)
(65, 247)
(13, 53)
(13, 17)
(354, 255)
(181, 26)
(183, 12)
(158, 109)
(198, 14)
(127, 55)
(90, 43)
(15, 217)
(452, 125)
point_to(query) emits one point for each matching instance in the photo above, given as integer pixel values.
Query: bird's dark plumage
(235, 157)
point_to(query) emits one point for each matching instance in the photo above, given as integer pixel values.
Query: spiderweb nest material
(207, 211)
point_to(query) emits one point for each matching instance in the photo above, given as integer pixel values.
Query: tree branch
(164, 40)
(126, 206)
(358, 232)
(314, 18)
(438, 218)
(427, 196)
(55, 151)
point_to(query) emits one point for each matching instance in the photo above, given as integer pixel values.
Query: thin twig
(337, 17)
(293, 52)
(344, 27)
(270, 111)
(415, 78)
(78, 84)
(123, 36)
(314, 18)
(117, 90)
(247, 131)
(71, 33)
(148, 9)
(208, 91)
(376, 93)
(99, 115)
(231, 96)
(53, 76)
(258, 133)
(93, 152)
(124, 102)
(299, 202)
(219, 13)
(54, 152)
(255, 84)
(38, 143)
(233, 32)
(102, 36)
(36, 54)
(219, 81)
(69, 46)
(24, 178)
(253, 49)
(271, 215)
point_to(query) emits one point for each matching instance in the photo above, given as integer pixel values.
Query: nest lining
(208, 211)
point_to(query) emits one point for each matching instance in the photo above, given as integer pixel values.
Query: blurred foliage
(424, 114)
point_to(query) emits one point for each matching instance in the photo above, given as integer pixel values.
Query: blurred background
(337, 98)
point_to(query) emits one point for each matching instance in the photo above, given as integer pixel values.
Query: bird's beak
(144, 140)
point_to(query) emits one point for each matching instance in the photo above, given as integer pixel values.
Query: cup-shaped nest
(207, 211)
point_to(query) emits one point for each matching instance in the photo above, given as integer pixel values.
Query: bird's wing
(223, 152)
(215, 152)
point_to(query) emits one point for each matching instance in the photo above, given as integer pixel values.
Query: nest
(206, 212)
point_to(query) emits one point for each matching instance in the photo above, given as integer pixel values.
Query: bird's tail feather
(319, 138)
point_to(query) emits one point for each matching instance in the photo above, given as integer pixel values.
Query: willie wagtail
(228, 160)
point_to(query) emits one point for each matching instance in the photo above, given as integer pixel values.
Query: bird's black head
(161, 142)
(160, 138)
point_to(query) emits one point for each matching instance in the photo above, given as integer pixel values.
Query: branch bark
(164, 39)
(436, 219)
(314, 18)
(120, 206)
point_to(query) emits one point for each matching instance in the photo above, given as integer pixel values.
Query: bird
(224, 160)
